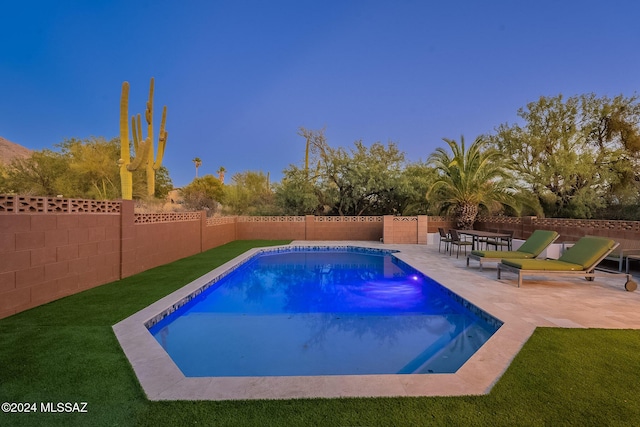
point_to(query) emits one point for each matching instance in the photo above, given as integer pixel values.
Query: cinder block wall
(218, 231)
(149, 240)
(369, 228)
(45, 256)
(406, 229)
(271, 227)
(439, 221)
(51, 248)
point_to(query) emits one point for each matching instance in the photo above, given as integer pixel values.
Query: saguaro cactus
(143, 148)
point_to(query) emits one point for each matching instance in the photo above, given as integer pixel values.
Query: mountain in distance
(10, 150)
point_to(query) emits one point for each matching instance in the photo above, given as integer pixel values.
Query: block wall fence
(55, 247)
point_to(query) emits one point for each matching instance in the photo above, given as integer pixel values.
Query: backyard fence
(54, 247)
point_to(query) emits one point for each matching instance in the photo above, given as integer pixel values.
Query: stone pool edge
(161, 379)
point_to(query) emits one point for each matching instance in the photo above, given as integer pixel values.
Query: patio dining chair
(485, 240)
(444, 238)
(501, 242)
(459, 242)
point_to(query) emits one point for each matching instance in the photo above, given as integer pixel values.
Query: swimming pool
(309, 311)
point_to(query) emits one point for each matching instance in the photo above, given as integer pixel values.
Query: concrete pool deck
(560, 302)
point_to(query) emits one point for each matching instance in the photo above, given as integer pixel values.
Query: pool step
(434, 359)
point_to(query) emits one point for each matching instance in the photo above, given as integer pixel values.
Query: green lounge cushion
(581, 256)
(531, 248)
(502, 254)
(542, 265)
(538, 241)
(587, 251)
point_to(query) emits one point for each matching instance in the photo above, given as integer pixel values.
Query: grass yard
(66, 351)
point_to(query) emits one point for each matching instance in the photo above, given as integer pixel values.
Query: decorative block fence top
(30, 204)
(149, 218)
(348, 218)
(270, 218)
(596, 224)
(219, 220)
(14, 204)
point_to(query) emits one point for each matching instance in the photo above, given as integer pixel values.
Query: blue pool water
(323, 312)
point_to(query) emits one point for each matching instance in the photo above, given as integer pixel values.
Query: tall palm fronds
(197, 162)
(470, 179)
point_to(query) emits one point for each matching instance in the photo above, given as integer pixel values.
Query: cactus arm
(134, 132)
(148, 114)
(126, 178)
(143, 148)
(162, 140)
(140, 137)
(124, 124)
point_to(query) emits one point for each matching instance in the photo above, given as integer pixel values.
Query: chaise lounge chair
(531, 248)
(579, 260)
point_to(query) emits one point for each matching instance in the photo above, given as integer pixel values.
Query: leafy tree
(4, 185)
(203, 193)
(40, 174)
(92, 171)
(250, 194)
(79, 168)
(296, 193)
(358, 181)
(575, 155)
(415, 181)
(366, 179)
(308, 189)
(164, 184)
(469, 180)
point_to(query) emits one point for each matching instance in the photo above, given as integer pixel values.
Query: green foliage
(4, 184)
(93, 172)
(80, 168)
(203, 193)
(414, 182)
(576, 155)
(469, 180)
(359, 181)
(296, 194)
(250, 194)
(41, 174)
(366, 178)
(164, 184)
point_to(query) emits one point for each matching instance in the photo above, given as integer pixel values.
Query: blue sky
(240, 77)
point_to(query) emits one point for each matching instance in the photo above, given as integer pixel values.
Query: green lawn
(66, 351)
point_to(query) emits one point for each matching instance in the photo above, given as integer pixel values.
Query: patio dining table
(475, 234)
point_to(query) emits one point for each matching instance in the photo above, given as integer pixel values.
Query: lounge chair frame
(589, 273)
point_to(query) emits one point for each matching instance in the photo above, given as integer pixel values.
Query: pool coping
(161, 379)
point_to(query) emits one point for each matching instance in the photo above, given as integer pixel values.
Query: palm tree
(470, 179)
(196, 161)
(220, 173)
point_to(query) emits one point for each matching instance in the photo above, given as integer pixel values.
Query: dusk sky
(240, 77)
